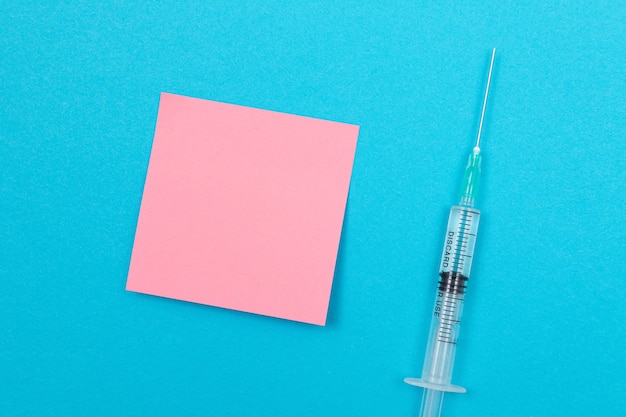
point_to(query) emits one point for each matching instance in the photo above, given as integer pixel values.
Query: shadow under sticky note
(243, 208)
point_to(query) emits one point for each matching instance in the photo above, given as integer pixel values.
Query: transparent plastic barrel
(454, 271)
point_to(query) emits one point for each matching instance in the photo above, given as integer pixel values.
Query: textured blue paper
(544, 331)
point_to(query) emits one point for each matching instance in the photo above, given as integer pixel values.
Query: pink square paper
(243, 208)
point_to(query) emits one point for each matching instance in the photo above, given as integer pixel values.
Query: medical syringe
(454, 272)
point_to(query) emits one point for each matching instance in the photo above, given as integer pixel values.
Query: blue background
(543, 331)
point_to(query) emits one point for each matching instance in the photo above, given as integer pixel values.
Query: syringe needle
(482, 114)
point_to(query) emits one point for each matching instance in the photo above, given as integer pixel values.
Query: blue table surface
(543, 331)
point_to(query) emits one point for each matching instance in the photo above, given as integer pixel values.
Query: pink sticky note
(242, 208)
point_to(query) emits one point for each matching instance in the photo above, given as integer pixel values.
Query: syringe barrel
(456, 263)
